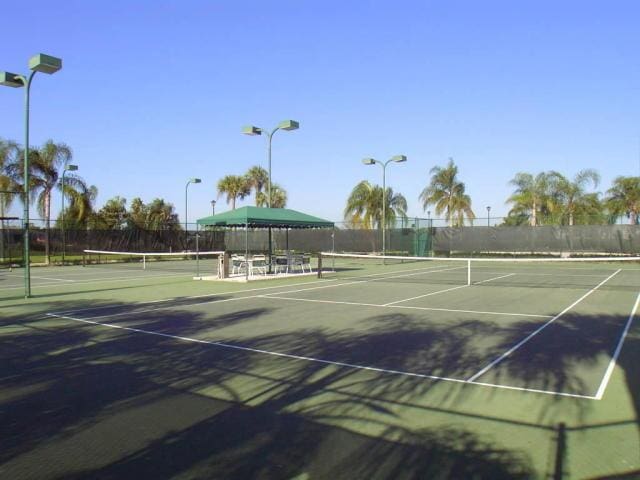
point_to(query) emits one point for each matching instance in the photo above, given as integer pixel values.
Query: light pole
(253, 130)
(37, 63)
(67, 168)
(287, 125)
(213, 207)
(371, 161)
(488, 215)
(186, 210)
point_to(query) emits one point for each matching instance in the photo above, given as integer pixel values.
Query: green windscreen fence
(411, 238)
(611, 239)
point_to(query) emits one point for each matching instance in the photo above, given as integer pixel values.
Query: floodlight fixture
(45, 63)
(251, 130)
(288, 125)
(12, 80)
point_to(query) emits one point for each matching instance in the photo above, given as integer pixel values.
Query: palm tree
(278, 197)
(257, 177)
(81, 201)
(364, 206)
(8, 153)
(112, 215)
(45, 164)
(234, 187)
(531, 195)
(161, 216)
(570, 194)
(447, 193)
(624, 198)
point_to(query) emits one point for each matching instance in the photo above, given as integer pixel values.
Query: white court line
(446, 290)
(320, 360)
(169, 307)
(422, 271)
(53, 279)
(430, 309)
(539, 329)
(100, 280)
(494, 278)
(616, 353)
(425, 295)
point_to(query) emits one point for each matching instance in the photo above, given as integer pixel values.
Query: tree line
(546, 198)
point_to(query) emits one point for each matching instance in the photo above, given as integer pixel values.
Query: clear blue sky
(155, 92)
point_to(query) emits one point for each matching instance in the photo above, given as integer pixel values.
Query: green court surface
(401, 370)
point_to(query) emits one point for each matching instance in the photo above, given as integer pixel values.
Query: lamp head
(399, 158)
(71, 168)
(368, 161)
(195, 180)
(288, 125)
(45, 63)
(251, 130)
(213, 203)
(9, 79)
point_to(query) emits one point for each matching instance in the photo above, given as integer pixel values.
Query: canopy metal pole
(197, 251)
(333, 248)
(270, 250)
(246, 251)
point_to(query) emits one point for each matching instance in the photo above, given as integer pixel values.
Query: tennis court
(512, 369)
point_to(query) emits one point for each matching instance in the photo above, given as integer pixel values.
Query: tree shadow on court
(87, 401)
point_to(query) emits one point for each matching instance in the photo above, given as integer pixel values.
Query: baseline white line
(539, 329)
(483, 312)
(616, 353)
(318, 360)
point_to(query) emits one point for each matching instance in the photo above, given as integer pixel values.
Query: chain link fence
(412, 237)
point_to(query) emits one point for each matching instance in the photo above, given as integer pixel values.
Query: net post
(144, 261)
(84, 258)
(469, 271)
(197, 252)
(319, 264)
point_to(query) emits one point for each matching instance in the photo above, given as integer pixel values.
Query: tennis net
(188, 263)
(505, 272)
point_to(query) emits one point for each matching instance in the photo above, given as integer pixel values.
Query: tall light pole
(186, 210)
(287, 125)
(37, 63)
(253, 130)
(213, 207)
(371, 161)
(67, 168)
(488, 215)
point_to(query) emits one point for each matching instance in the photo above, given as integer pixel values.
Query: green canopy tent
(258, 217)
(264, 217)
